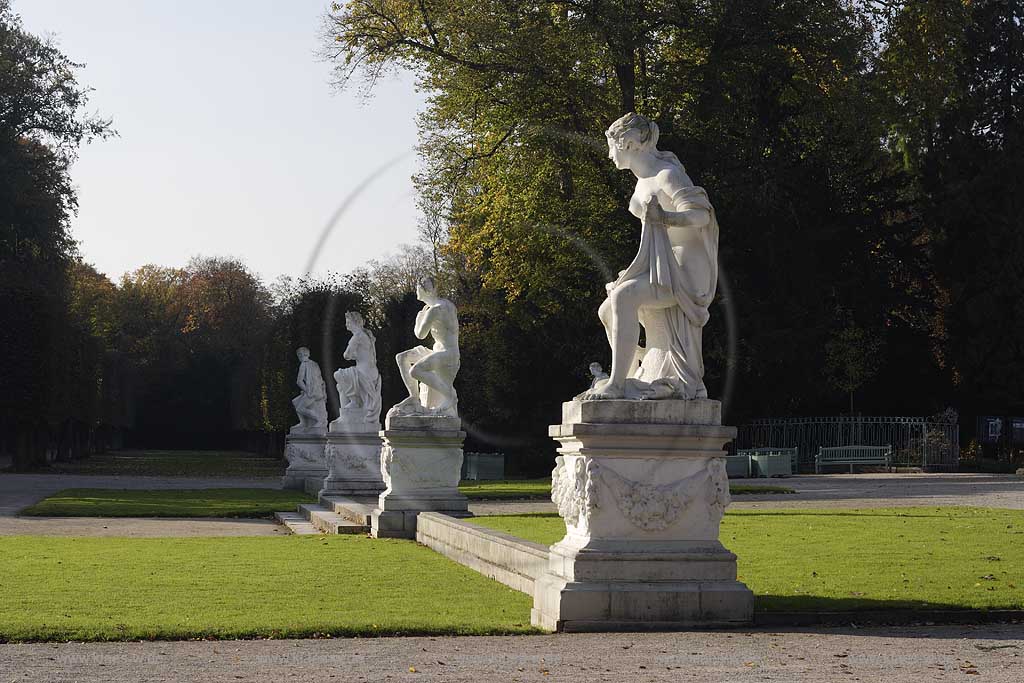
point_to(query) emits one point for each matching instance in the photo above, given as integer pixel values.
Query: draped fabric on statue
(361, 382)
(310, 377)
(363, 387)
(309, 405)
(681, 365)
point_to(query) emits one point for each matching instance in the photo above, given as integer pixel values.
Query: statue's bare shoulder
(673, 179)
(444, 311)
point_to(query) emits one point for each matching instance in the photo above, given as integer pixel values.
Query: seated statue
(671, 282)
(359, 385)
(310, 405)
(429, 373)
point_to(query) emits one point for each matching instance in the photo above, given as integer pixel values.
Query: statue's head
(630, 134)
(426, 289)
(596, 369)
(303, 353)
(354, 320)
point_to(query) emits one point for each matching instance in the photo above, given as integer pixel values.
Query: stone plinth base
(640, 589)
(305, 456)
(568, 607)
(642, 487)
(353, 460)
(421, 461)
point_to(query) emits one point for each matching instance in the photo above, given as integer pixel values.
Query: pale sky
(232, 141)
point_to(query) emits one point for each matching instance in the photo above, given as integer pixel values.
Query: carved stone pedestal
(421, 461)
(642, 488)
(305, 455)
(353, 460)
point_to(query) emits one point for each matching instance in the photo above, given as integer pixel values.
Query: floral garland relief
(574, 493)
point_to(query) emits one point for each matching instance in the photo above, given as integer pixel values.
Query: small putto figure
(359, 385)
(429, 373)
(311, 404)
(597, 374)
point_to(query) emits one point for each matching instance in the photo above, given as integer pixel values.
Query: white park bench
(852, 455)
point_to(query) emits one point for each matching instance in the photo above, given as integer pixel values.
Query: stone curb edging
(512, 561)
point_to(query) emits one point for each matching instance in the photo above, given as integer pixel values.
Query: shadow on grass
(781, 613)
(825, 604)
(853, 512)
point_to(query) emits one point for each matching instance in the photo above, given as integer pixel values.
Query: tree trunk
(625, 72)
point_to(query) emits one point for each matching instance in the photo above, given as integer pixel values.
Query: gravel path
(138, 527)
(893, 655)
(849, 491)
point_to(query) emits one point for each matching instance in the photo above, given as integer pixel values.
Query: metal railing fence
(929, 443)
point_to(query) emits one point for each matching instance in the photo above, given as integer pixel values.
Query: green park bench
(852, 455)
(769, 462)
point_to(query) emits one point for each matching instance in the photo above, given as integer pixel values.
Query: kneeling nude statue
(433, 368)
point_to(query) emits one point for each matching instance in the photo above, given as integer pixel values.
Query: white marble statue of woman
(672, 281)
(359, 385)
(434, 368)
(310, 405)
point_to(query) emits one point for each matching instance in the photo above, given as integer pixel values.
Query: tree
(775, 108)
(955, 72)
(42, 125)
(196, 338)
(852, 358)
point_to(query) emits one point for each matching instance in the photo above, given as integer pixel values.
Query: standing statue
(435, 368)
(359, 385)
(310, 405)
(669, 285)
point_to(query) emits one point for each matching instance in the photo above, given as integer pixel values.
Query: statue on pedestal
(310, 405)
(669, 285)
(642, 484)
(359, 385)
(429, 373)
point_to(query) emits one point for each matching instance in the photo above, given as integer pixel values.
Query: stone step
(307, 510)
(356, 510)
(333, 523)
(296, 523)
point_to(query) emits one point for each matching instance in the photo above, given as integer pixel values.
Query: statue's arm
(423, 321)
(674, 183)
(351, 349)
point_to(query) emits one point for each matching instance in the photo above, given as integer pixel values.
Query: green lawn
(257, 503)
(937, 558)
(540, 489)
(510, 489)
(298, 586)
(174, 464)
